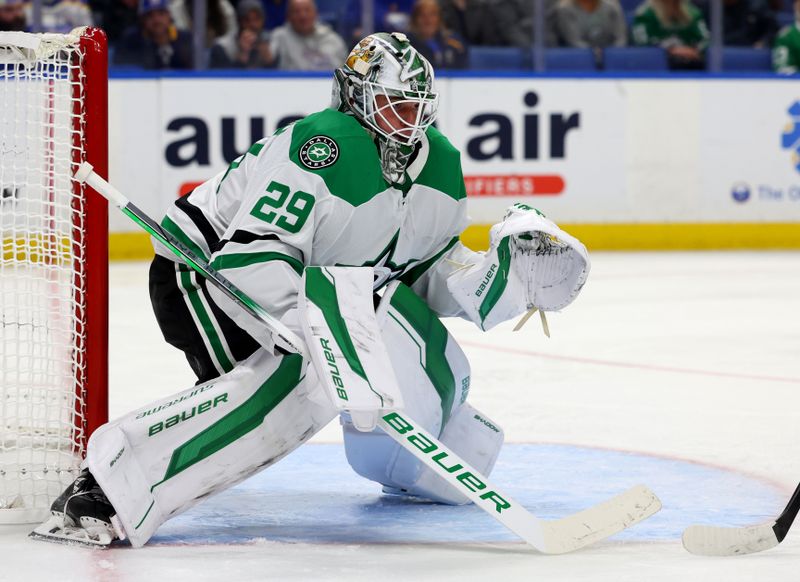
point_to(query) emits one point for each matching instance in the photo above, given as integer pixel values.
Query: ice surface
(679, 370)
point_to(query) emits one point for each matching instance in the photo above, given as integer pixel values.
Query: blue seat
(784, 18)
(630, 5)
(341, 15)
(569, 59)
(630, 15)
(737, 58)
(635, 58)
(494, 58)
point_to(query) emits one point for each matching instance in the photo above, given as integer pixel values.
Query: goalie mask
(387, 85)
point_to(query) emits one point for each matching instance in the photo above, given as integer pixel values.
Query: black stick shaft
(785, 520)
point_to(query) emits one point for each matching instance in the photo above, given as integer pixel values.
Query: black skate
(81, 515)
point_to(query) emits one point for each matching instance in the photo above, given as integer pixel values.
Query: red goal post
(54, 263)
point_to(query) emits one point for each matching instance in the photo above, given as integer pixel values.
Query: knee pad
(434, 376)
(469, 434)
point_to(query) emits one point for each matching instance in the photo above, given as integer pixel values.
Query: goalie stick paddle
(548, 536)
(709, 540)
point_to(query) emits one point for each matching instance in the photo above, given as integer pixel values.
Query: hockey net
(54, 264)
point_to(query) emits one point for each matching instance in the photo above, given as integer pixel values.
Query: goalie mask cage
(54, 263)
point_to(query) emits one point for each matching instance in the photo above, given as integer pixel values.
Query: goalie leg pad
(156, 462)
(469, 434)
(433, 374)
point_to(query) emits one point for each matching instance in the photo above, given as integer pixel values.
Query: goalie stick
(548, 536)
(709, 540)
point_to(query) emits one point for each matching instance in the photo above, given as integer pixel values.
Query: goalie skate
(81, 515)
(87, 534)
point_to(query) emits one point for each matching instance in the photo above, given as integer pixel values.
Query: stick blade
(707, 540)
(600, 521)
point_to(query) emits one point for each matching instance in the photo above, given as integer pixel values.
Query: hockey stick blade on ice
(548, 536)
(709, 540)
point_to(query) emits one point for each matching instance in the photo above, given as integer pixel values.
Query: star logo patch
(319, 152)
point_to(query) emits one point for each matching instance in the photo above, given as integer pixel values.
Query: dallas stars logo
(319, 152)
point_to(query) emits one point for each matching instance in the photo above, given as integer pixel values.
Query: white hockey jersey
(314, 194)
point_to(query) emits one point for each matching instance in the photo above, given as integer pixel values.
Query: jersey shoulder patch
(335, 147)
(442, 170)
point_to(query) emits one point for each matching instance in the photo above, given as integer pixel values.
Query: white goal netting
(42, 272)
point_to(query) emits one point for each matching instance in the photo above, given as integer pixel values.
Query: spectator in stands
(63, 15)
(12, 16)
(594, 24)
(155, 43)
(428, 36)
(220, 19)
(744, 22)
(250, 49)
(467, 19)
(510, 23)
(116, 16)
(304, 43)
(395, 19)
(675, 25)
(786, 51)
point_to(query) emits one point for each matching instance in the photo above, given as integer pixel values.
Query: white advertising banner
(583, 151)
(750, 152)
(557, 144)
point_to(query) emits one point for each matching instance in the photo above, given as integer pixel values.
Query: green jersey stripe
(176, 231)
(255, 149)
(204, 317)
(239, 260)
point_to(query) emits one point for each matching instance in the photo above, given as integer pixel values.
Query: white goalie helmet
(388, 86)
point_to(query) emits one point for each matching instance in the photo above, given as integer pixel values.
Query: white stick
(551, 537)
(548, 536)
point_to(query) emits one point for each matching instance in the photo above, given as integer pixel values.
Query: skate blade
(54, 530)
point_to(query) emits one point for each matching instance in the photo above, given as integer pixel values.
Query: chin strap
(394, 159)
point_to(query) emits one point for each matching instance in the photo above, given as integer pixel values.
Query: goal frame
(88, 78)
(93, 45)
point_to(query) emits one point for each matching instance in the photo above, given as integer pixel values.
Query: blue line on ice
(313, 496)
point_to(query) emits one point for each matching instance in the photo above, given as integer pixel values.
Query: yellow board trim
(668, 237)
(134, 246)
(38, 249)
(130, 246)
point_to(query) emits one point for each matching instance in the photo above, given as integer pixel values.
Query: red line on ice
(629, 364)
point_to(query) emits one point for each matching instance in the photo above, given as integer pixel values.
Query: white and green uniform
(312, 194)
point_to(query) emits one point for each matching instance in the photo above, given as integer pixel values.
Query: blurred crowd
(308, 35)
